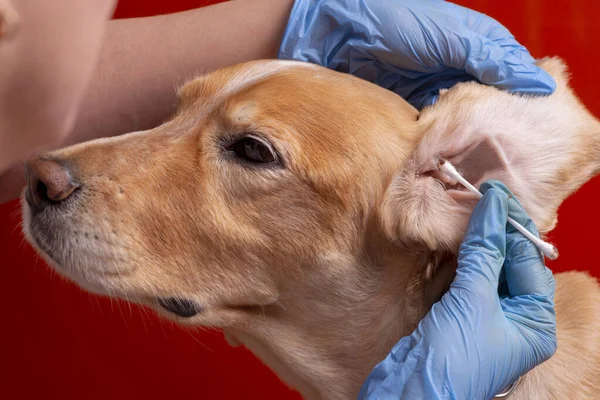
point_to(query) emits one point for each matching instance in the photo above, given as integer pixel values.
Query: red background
(58, 342)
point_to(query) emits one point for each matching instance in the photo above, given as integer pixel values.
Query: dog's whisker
(143, 314)
(189, 332)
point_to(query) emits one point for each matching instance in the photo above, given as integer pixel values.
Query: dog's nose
(48, 182)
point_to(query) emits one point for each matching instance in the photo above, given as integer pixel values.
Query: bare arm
(45, 66)
(143, 59)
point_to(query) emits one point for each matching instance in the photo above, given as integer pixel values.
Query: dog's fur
(319, 265)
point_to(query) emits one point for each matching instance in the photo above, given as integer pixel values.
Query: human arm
(47, 56)
(142, 60)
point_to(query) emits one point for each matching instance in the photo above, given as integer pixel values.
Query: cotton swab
(549, 250)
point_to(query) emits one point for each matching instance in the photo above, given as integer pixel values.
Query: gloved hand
(489, 328)
(412, 47)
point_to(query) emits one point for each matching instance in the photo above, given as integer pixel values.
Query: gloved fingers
(425, 89)
(532, 308)
(496, 65)
(386, 376)
(501, 37)
(534, 318)
(423, 100)
(502, 284)
(529, 304)
(490, 28)
(481, 254)
(526, 273)
(488, 53)
(515, 208)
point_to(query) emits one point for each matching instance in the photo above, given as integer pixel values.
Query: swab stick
(549, 250)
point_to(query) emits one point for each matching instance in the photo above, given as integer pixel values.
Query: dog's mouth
(104, 282)
(77, 249)
(181, 307)
(104, 270)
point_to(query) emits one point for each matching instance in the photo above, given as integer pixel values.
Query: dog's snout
(48, 182)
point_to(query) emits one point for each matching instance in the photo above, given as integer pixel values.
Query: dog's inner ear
(423, 205)
(541, 147)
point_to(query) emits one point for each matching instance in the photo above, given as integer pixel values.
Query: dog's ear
(542, 147)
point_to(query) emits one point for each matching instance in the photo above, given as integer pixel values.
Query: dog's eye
(253, 150)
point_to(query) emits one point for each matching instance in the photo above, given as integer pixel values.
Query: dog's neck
(327, 334)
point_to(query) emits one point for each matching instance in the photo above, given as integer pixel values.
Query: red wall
(57, 342)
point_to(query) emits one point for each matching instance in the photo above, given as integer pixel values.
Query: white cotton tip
(546, 248)
(550, 251)
(448, 169)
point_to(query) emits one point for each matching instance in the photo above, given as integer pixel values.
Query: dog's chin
(93, 282)
(94, 268)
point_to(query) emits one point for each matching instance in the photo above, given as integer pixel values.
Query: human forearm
(45, 67)
(144, 59)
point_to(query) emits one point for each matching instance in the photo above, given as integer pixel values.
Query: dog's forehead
(317, 111)
(273, 92)
(254, 73)
(318, 114)
(219, 85)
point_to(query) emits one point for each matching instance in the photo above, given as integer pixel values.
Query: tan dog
(296, 208)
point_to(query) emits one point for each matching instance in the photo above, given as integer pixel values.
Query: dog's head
(267, 171)
(287, 191)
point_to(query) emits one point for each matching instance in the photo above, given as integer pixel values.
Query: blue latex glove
(412, 47)
(486, 331)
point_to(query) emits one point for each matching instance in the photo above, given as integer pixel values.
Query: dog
(298, 209)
